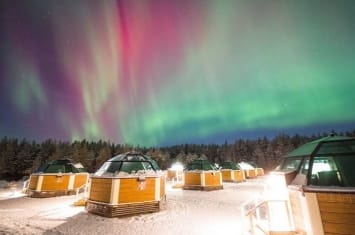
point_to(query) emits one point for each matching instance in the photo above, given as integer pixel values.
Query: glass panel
(227, 165)
(346, 165)
(325, 172)
(193, 166)
(291, 164)
(68, 168)
(147, 166)
(301, 177)
(55, 169)
(131, 167)
(305, 166)
(337, 147)
(207, 166)
(42, 168)
(103, 169)
(155, 165)
(114, 167)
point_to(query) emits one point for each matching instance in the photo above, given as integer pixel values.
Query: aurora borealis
(169, 72)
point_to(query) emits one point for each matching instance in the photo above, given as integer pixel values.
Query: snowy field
(186, 212)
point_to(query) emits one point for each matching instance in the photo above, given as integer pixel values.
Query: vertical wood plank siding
(33, 182)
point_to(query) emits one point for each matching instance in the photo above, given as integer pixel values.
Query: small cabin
(129, 183)
(250, 170)
(260, 171)
(320, 180)
(231, 172)
(58, 177)
(201, 175)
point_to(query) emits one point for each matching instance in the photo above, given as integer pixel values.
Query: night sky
(171, 72)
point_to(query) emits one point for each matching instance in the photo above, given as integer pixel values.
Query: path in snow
(186, 212)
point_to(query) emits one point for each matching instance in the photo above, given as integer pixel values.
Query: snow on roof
(134, 174)
(230, 165)
(200, 164)
(245, 166)
(61, 166)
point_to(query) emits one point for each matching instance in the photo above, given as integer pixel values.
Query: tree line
(19, 158)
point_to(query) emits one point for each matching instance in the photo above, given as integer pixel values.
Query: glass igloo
(128, 183)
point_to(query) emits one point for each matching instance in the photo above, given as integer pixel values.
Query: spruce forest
(20, 157)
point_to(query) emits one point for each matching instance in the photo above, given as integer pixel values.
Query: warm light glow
(279, 219)
(276, 181)
(277, 188)
(320, 166)
(278, 199)
(177, 166)
(178, 178)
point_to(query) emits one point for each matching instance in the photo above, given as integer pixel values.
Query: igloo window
(55, 169)
(129, 163)
(291, 164)
(333, 171)
(131, 167)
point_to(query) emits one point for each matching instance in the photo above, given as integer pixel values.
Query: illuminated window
(325, 172)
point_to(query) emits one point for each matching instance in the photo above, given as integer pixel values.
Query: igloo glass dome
(129, 183)
(232, 172)
(128, 163)
(56, 178)
(201, 175)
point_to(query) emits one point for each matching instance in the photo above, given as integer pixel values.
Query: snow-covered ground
(186, 212)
